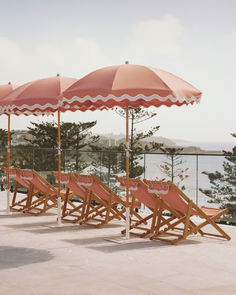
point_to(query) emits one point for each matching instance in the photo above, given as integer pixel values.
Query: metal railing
(107, 165)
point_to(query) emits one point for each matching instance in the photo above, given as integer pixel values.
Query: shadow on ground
(30, 224)
(87, 241)
(69, 227)
(137, 245)
(20, 214)
(12, 257)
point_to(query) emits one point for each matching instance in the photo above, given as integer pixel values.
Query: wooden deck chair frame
(184, 217)
(144, 228)
(22, 204)
(107, 209)
(87, 212)
(47, 193)
(70, 211)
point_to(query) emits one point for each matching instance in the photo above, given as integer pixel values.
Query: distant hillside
(188, 147)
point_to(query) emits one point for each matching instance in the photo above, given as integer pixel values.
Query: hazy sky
(195, 40)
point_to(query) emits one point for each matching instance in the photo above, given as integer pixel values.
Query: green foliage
(106, 163)
(172, 167)
(21, 157)
(223, 185)
(137, 144)
(74, 137)
(3, 138)
(3, 151)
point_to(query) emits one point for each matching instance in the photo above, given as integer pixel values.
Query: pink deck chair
(72, 211)
(111, 199)
(47, 193)
(139, 191)
(183, 209)
(21, 204)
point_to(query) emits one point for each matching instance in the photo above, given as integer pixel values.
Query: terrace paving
(37, 257)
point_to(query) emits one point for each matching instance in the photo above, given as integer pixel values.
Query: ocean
(196, 179)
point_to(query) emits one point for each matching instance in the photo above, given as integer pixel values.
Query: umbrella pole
(127, 176)
(8, 164)
(59, 173)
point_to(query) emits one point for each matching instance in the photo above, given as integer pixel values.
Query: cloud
(155, 38)
(72, 58)
(11, 58)
(79, 55)
(145, 42)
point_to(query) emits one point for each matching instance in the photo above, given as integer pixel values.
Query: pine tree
(3, 144)
(106, 162)
(74, 136)
(136, 142)
(3, 138)
(223, 185)
(172, 168)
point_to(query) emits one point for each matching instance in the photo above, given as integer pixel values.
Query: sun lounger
(73, 209)
(183, 209)
(110, 200)
(146, 225)
(22, 203)
(47, 194)
(93, 210)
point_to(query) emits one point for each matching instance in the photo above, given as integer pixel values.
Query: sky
(195, 40)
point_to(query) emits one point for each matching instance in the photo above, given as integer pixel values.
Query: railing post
(197, 180)
(144, 163)
(33, 158)
(100, 164)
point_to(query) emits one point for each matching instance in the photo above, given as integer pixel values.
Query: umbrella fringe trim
(97, 98)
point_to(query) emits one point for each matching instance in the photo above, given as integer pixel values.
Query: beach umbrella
(4, 91)
(39, 97)
(129, 85)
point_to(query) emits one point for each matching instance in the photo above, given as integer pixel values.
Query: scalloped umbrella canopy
(131, 85)
(6, 89)
(127, 86)
(38, 97)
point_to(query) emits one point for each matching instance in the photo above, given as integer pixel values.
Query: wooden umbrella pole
(59, 173)
(8, 163)
(127, 175)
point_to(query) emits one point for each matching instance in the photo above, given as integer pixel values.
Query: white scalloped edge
(38, 109)
(84, 183)
(160, 192)
(131, 98)
(131, 188)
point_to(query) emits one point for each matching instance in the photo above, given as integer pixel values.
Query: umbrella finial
(126, 62)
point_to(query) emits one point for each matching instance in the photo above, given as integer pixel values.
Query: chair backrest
(140, 191)
(97, 186)
(14, 173)
(70, 181)
(38, 181)
(171, 194)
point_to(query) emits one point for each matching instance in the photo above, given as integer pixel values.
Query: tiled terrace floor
(37, 257)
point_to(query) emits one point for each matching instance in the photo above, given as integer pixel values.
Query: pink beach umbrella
(39, 97)
(4, 91)
(125, 86)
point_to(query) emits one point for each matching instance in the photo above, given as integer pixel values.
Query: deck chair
(106, 210)
(74, 210)
(183, 209)
(21, 204)
(139, 190)
(47, 194)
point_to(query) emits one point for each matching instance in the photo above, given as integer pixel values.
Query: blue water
(195, 178)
